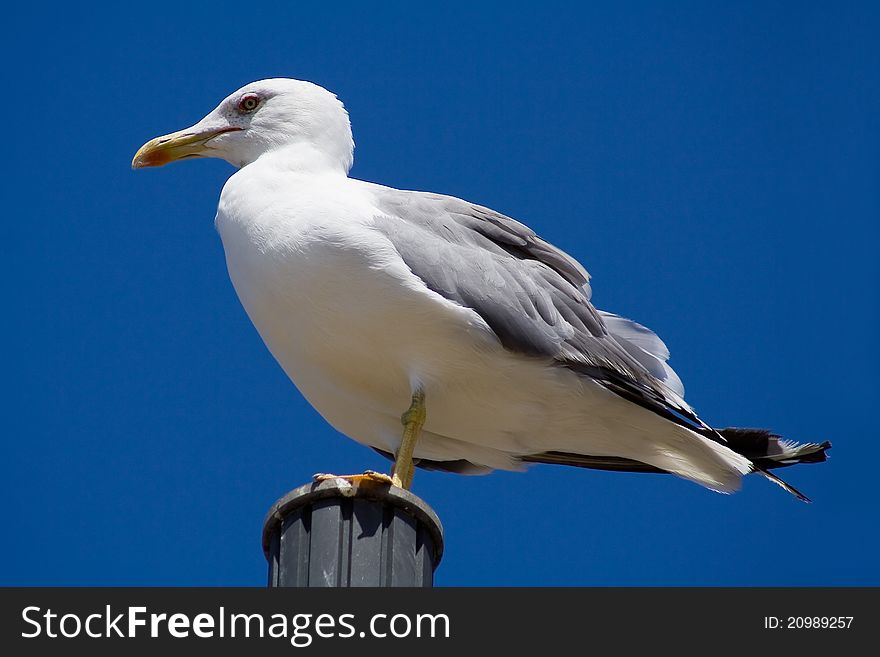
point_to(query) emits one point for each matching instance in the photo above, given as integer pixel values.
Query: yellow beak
(176, 146)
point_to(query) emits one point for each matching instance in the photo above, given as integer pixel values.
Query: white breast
(334, 303)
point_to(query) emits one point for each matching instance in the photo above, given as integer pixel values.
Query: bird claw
(357, 479)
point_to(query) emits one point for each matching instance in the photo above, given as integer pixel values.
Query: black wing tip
(817, 454)
(769, 450)
(783, 484)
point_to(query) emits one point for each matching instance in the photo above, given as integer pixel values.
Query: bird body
(367, 295)
(356, 331)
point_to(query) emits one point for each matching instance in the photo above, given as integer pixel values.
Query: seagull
(441, 333)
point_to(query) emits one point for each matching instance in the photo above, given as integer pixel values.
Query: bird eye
(248, 103)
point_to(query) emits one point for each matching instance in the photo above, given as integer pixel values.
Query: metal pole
(333, 533)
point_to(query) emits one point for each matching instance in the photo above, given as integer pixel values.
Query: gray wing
(535, 297)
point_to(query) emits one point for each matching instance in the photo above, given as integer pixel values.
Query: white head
(277, 115)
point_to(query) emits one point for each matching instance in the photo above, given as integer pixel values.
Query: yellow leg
(413, 421)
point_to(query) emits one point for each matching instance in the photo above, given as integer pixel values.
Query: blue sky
(715, 167)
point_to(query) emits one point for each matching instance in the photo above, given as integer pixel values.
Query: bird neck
(306, 158)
